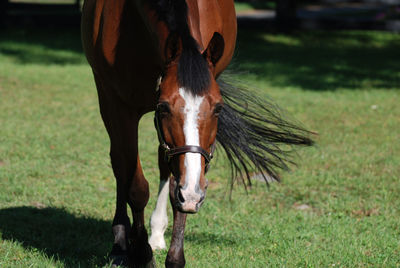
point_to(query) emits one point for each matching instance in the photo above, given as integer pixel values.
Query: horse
(167, 56)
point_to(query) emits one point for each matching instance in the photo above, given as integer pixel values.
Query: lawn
(250, 6)
(338, 207)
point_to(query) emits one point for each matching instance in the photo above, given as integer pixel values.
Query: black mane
(193, 73)
(254, 134)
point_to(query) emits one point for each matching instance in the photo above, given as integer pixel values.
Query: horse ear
(215, 49)
(173, 47)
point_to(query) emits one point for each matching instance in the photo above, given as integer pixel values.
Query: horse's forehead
(204, 19)
(179, 96)
(192, 102)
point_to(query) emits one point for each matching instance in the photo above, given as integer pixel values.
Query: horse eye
(218, 109)
(163, 108)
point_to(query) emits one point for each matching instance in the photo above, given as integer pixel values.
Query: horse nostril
(180, 196)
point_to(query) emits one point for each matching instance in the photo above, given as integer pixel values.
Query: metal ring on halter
(169, 153)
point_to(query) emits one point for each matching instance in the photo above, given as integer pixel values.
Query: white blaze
(191, 132)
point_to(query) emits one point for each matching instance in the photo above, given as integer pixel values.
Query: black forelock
(193, 73)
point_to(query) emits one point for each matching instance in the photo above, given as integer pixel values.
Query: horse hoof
(119, 261)
(157, 242)
(151, 264)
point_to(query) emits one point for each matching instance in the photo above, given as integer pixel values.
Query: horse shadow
(58, 234)
(73, 240)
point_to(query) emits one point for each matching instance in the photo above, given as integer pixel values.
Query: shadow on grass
(42, 46)
(321, 60)
(58, 234)
(307, 60)
(75, 241)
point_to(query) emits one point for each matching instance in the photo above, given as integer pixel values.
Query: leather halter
(169, 152)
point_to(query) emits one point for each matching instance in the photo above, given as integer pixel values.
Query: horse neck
(204, 19)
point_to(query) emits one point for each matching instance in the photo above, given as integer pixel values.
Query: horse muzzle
(189, 201)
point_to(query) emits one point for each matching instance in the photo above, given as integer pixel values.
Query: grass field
(338, 208)
(249, 6)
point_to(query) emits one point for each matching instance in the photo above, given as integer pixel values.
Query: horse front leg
(176, 257)
(140, 250)
(123, 153)
(159, 218)
(130, 242)
(121, 224)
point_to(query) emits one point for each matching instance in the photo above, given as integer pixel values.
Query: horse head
(187, 117)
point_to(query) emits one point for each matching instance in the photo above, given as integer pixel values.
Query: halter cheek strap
(169, 153)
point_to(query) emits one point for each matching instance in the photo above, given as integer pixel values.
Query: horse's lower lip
(189, 207)
(187, 212)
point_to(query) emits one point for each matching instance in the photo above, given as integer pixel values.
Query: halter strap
(190, 149)
(169, 153)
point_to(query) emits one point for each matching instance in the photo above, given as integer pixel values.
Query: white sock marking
(119, 235)
(191, 132)
(159, 218)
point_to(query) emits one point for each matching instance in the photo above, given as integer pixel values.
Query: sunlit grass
(253, 5)
(338, 207)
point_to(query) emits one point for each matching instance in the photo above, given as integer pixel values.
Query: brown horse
(166, 55)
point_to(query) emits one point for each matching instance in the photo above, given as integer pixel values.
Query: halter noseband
(169, 153)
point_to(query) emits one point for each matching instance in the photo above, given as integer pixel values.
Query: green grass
(250, 6)
(57, 191)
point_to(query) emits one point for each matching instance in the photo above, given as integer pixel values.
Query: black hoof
(141, 255)
(174, 264)
(119, 261)
(151, 264)
(119, 257)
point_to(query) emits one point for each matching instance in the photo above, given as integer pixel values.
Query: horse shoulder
(100, 27)
(120, 50)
